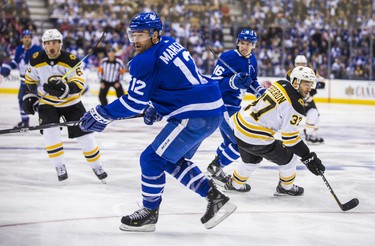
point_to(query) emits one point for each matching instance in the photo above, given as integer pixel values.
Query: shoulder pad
(295, 98)
(38, 57)
(68, 58)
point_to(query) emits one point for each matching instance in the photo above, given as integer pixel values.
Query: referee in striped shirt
(110, 71)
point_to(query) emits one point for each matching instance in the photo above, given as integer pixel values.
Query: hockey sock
(189, 174)
(242, 173)
(54, 146)
(229, 155)
(287, 173)
(90, 150)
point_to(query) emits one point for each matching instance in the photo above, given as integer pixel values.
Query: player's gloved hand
(95, 120)
(30, 103)
(240, 81)
(57, 88)
(150, 115)
(313, 163)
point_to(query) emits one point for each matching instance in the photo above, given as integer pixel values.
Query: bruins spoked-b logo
(54, 79)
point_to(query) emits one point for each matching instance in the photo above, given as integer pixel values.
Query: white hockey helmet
(300, 60)
(52, 34)
(303, 73)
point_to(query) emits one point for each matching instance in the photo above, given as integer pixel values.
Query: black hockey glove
(151, 116)
(30, 103)
(57, 88)
(313, 163)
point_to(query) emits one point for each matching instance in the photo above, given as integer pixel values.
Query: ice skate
(229, 187)
(22, 124)
(218, 208)
(314, 139)
(311, 139)
(142, 220)
(101, 174)
(294, 191)
(61, 173)
(217, 173)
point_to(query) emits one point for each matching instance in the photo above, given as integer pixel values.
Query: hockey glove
(313, 163)
(95, 120)
(30, 103)
(240, 81)
(151, 116)
(57, 88)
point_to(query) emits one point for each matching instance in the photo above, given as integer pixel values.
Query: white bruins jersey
(41, 70)
(280, 108)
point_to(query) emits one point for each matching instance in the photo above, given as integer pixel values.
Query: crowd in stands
(335, 36)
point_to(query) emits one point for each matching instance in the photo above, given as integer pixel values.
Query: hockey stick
(51, 125)
(218, 57)
(346, 206)
(89, 53)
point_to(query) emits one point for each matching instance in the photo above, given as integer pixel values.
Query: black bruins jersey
(279, 109)
(42, 70)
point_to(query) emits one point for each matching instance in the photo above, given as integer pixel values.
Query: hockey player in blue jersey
(20, 61)
(243, 61)
(166, 83)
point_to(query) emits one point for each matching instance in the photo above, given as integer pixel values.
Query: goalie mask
(300, 73)
(149, 21)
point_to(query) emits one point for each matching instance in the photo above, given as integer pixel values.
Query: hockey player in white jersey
(281, 108)
(59, 99)
(312, 114)
(164, 74)
(243, 61)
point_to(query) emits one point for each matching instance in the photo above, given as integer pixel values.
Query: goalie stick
(51, 125)
(346, 206)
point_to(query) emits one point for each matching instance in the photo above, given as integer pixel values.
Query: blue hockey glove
(240, 81)
(95, 120)
(151, 116)
(57, 88)
(30, 103)
(313, 163)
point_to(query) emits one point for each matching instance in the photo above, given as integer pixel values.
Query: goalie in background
(312, 114)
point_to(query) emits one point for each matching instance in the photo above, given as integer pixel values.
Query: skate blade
(285, 195)
(221, 215)
(145, 228)
(103, 181)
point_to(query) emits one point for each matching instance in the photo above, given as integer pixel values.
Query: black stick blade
(350, 205)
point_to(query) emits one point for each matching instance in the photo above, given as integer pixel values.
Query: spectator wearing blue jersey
(166, 83)
(21, 59)
(243, 61)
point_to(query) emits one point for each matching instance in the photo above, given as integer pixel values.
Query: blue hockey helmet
(146, 21)
(247, 35)
(26, 33)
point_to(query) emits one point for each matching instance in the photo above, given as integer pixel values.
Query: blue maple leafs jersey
(232, 98)
(21, 60)
(166, 76)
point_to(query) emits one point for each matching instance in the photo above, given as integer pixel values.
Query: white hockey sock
(287, 173)
(90, 150)
(242, 173)
(54, 146)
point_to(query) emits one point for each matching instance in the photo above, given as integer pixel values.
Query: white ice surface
(36, 209)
